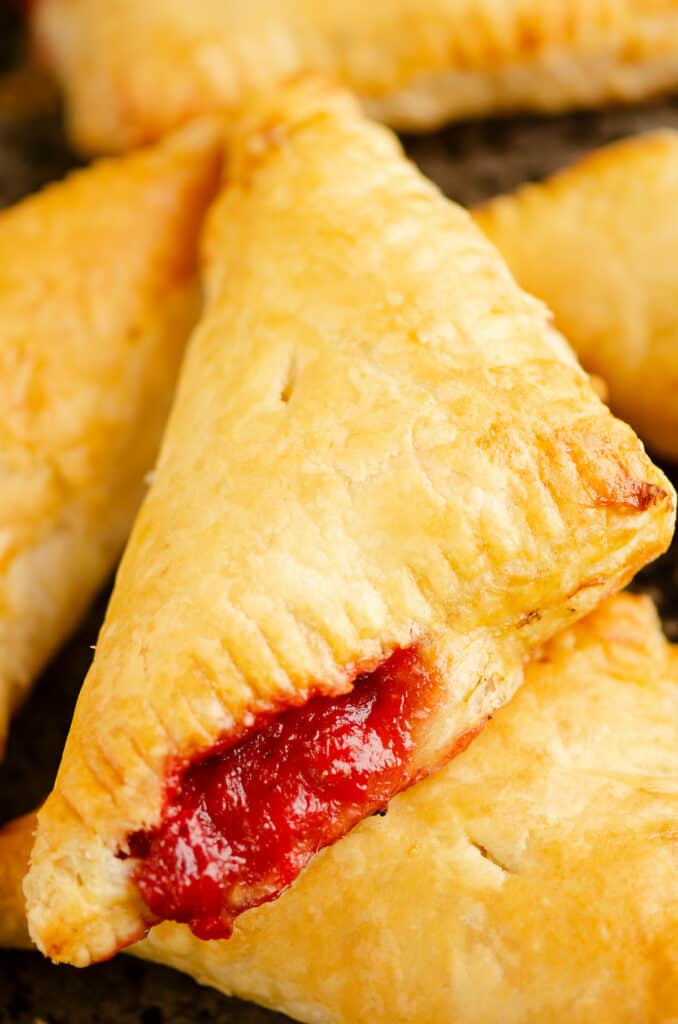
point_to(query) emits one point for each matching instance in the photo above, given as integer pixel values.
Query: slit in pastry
(536, 870)
(440, 494)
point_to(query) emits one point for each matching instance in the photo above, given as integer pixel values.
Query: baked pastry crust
(16, 839)
(132, 70)
(92, 329)
(597, 242)
(378, 440)
(535, 875)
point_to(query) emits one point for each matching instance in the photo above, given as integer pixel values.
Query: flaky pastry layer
(533, 877)
(378, 441)
(598, 244)
(98, 293)
(132, 70)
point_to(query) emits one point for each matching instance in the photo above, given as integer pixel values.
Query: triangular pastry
(98, 293)
(533, 878)
(131, 70)
(599, 243)
(384, 481)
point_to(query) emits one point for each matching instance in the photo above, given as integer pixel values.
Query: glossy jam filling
(241, 825)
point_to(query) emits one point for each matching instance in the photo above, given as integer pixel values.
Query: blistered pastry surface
(98, 292)
(535, 873)
(597, 243)
(458, 482)
(536, 870)
(133, 70)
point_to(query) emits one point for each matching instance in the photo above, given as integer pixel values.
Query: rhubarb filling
(239, 825)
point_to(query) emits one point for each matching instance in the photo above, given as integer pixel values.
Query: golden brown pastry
(133, 70)
(533, 878)
(97, 296)
(385, 479)
(599, 244)
(16, 839)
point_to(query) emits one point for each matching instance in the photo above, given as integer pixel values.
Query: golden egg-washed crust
(533, 878)
(377, 440)
(133, 70)
(599, 244)
(97, 297)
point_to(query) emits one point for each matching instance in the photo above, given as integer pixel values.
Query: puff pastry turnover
(384, 480)
(133, 70)
(599, 244)
(533, 877)
(97, 297)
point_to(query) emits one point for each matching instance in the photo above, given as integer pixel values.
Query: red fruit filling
(241, 824)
